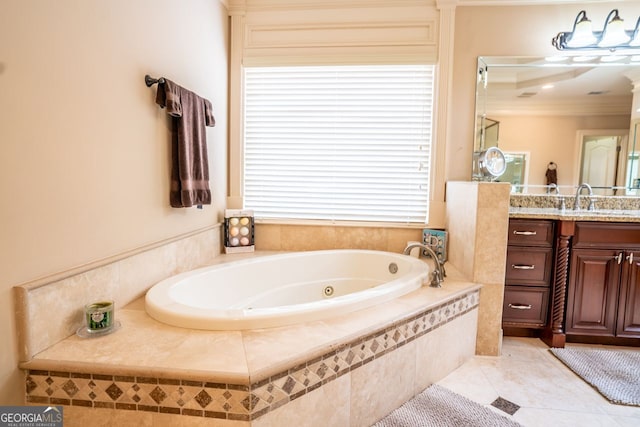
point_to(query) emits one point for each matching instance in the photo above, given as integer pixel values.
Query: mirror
(561, 120)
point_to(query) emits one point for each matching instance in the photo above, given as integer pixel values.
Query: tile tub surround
(149, 367)
(478, 223)
(122, 278)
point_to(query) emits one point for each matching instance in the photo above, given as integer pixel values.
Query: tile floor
(547, 393)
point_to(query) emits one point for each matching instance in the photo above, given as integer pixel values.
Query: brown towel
(552, 174)
(190, 165)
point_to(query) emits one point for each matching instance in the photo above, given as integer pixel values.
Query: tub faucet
(437, 275)
(576, 203)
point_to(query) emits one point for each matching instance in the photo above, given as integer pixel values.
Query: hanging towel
(552, 174)
(190, 165)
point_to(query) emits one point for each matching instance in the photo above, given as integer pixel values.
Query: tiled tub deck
(351, 370)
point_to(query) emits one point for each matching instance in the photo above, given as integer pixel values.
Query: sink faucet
(576, 203)
(437, 275)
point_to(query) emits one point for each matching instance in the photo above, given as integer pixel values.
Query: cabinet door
(629, 307)
(593, 292)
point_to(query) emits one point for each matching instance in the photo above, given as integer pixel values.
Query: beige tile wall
(478, 223)
(366, 394)
(276, 237)
(50, 311)
(81, 417)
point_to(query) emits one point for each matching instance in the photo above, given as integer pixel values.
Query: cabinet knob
(618, 258)
(520, 306)
(629, 258)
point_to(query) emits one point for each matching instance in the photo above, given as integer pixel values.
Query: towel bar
(150, 81)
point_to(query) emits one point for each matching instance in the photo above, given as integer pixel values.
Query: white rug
(438, 407)
(614, 373)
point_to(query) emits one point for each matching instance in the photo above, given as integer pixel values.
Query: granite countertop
(607, 208)
(604, 215)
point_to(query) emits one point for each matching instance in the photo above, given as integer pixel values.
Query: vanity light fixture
(613, 36)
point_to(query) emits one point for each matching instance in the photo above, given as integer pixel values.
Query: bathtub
(283, 289)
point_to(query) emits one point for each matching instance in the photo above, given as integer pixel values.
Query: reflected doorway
(600, 162)
(517, 172)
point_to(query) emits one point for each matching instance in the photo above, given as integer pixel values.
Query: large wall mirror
(561, 121)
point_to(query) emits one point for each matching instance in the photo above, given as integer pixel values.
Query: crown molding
(533, 2)
(256, 5)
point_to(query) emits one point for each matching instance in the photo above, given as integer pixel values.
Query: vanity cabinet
(528, 275)
(603, 298)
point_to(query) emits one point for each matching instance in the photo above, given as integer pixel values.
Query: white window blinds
(340, 143)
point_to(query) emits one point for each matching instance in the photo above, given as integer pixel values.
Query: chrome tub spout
(437, 275)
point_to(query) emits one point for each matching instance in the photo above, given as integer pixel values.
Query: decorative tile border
(236, 402)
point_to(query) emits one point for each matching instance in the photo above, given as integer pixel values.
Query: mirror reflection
(561, 121)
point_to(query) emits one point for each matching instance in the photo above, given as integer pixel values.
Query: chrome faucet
(437, 275)
(576, 203)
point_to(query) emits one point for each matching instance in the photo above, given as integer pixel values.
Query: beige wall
(84, 169)
(505, 30)
(551, 139)
(84, 165)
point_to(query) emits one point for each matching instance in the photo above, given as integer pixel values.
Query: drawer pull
(525, 233)
(520, 306)
(618, 258)
(630, 258)
(522, 267)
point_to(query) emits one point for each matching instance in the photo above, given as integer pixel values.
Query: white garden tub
(283, 289)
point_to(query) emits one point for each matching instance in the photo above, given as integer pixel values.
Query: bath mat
(438, 407)
(614, 373)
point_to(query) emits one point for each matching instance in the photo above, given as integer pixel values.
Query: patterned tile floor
(530, 383)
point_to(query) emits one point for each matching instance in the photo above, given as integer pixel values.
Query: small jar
(99, 316)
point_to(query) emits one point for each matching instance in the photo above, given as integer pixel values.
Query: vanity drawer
(525, 306)
(528, 266)
(607, 235)
(524, 232)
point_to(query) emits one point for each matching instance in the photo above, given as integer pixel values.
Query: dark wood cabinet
(593, 292)
(603, 298)
(528, 276)
(629, 300)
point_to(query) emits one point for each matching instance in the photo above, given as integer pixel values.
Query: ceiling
(517, 86)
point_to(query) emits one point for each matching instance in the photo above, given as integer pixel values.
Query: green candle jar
(99, 316)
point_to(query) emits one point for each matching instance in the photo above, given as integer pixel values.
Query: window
(340, 143)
